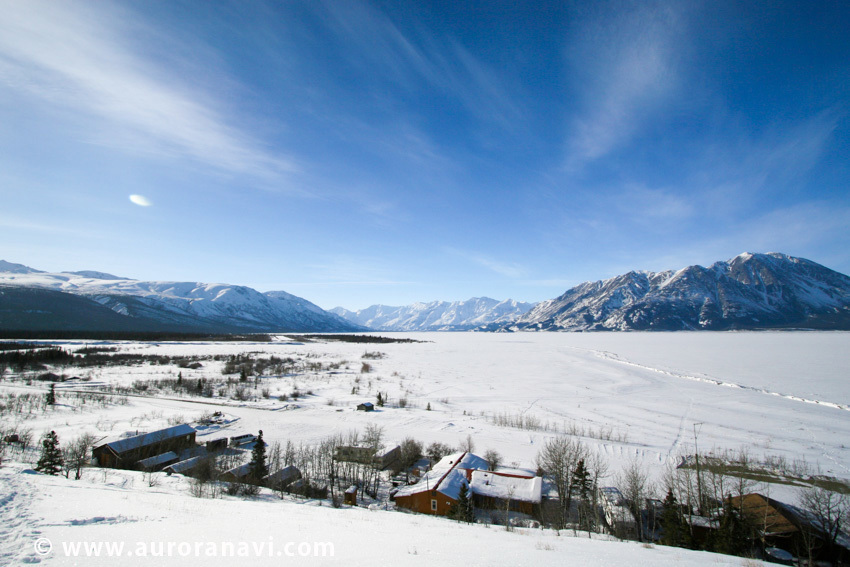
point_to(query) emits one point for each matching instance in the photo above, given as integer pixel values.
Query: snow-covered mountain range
(476, 313)
(86, 300)
(750, 291)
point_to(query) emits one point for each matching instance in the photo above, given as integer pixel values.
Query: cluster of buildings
(174, 450)
(783, 529)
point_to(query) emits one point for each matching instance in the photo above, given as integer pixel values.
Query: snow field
(631, 396)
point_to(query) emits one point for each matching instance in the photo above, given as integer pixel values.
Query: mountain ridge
(477, 313)
(153, 305)
(750, 291)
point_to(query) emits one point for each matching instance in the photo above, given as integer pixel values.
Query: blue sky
(356, 153)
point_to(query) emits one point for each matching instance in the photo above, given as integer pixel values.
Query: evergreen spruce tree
(732, 535)
(50, 397)
(463, 510)
(51, 461)
(675, 531)
(258, 468)
(581, 487)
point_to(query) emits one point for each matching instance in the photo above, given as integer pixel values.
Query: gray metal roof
(157, 459)
(130, 443)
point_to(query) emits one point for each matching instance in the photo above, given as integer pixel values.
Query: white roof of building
(386, 450)
(240, 471)
(185, 465)
(158, 459)
(495, 485)
(446, 476)
(286, 474)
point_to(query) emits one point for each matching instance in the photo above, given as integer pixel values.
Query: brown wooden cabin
(125, 453)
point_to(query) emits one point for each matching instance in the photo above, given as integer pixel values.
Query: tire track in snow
(616, 358)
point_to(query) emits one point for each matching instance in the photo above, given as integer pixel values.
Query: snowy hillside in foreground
(467, 315)
(751, 291)
(124, 511)
(153, 305)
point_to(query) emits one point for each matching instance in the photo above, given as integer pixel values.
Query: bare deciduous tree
(634, 485)
(829, 511)
(493, 458)
(77, 454)
(558, 459)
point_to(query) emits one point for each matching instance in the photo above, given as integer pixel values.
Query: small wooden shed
(350, 495)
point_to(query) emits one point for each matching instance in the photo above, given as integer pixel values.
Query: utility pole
(699, 476)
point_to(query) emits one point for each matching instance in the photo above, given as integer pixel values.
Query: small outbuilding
(366, 406)
(157, 462)
(282, 478)
(237, 474)
(186, 466)
(351, 495)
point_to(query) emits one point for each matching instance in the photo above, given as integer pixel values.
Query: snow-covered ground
(632, 395)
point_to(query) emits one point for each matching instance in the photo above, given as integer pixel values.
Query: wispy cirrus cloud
(82, 58)
(410, 59)
(624, 67)
(507, 269)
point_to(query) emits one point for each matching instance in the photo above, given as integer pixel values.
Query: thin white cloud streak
(20, 226)
(379, 47)
(732, 174)
(628, 69)
(351, 270)
(507, 269)
(804, 229)
(74, 55)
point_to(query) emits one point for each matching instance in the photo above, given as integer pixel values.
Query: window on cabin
(434, 505)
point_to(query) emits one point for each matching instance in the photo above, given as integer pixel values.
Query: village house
(366, 406)
(494, 491)
(282, 478)
(126, 453)
(618, 516)
(791, 529)
(438, 490)
(237, 474)
(381, 458)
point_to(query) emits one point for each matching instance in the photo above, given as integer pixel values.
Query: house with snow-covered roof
(186, 466)
(438, 489)
(492, 490)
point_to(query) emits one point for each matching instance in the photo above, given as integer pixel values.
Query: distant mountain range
(94, 301)
(750, 291)
(480, 313)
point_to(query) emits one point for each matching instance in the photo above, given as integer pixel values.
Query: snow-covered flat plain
(629, 395)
